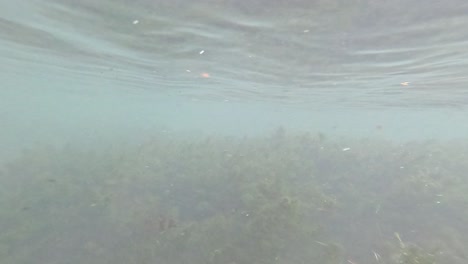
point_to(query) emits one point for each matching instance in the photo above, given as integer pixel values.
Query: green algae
(283, 198)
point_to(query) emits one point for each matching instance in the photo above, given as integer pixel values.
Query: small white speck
(135, 22)
(188, 70)
(306, 31)
(346, 149)
(93, 204)
(201, 52)
(402, 167)
(438, 202)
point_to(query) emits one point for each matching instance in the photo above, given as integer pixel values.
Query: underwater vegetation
(282, 198)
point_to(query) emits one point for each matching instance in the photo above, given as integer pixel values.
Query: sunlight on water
(302, 54)
(219, 131)
(236, 67)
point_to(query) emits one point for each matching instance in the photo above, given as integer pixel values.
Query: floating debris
(402, 245)
(321, 243)
(166, 223)
(377, 209)
(377, 256)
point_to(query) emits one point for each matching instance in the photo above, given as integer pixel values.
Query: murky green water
(105, 74)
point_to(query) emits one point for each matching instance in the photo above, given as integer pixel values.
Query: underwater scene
(279, 198)
(233, 132)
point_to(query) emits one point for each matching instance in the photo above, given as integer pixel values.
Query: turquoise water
(114, 74)
(72, 71)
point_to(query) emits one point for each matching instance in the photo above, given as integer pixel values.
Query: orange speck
(205, 75)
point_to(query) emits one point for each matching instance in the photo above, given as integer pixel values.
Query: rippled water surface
(84, 73)
(351, 53)
(349, 65)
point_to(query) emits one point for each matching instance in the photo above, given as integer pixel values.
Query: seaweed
(281, 198)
